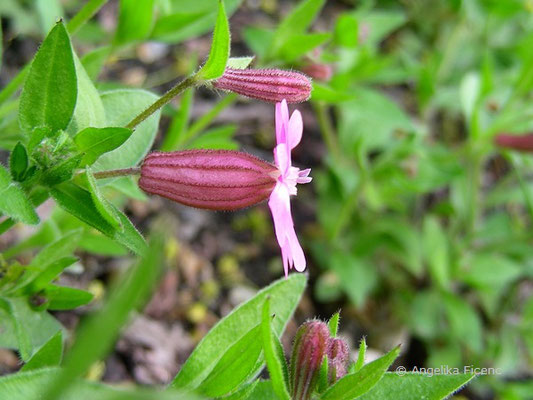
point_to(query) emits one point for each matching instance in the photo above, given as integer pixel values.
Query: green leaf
(277, 367)
(18, 162)
(346, 30)
(95, 242)
(121, 106)
(360, 355)
(464, 322)
(263, 390)
(94, 142)
(64, 246)
(354, 385)
(220, 48)
(19, 329)
(258, 40)
(417, 386)
(135, 20)
(29, 385)
(357, 277)
(49, 355)
(51, 272)
(93, 62)
(49, 94)
(333, 324)
(299, 45)
(78, 202)
(296, 22)
(66, 298)
(89, 111)
(61, 172)
(436, 251)
(234, 367)
(105, 324)
(244, 392)
(240, 62)
(23, 328)
(371, 120)
(170, 28)
(13, 201)
(105, 209)
(284, 294)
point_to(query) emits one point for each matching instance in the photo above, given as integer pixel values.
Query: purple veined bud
(308, 351)
(272, 85)
(212, 179)
(337, 359)
(515, 142)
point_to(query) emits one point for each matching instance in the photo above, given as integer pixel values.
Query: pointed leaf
(49, 94)
(277, 367)
(78, 202)
(234, 367)
(284, 294)
(220, 48)
(49, 355)
(13, 201)
(417, 386)
(66, 298)
(94, 142)
(354, 385)
(105, 209)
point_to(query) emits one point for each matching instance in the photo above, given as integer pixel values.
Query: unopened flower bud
(515, 142)
(320, 72)
(337, 359)
(212, 179)
(309, 348)
(272, 85)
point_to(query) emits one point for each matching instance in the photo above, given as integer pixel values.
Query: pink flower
(288, 135)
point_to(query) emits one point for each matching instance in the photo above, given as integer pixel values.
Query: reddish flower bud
(272, 85)
(321, 72)
(212, 179)
(337, 359)
(515, 142)
(308, 351)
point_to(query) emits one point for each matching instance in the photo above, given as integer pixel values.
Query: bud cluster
(312, 345)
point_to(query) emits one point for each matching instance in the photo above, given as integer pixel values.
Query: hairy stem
(176, 90)
(117, 172)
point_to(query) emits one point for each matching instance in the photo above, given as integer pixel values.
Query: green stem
(117, 172)
(326, 129)
(204, 121)
(176, 90)
(86, 13)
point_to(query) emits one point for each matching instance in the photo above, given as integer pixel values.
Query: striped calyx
(271, 85)
(211, 179)
(309, 349)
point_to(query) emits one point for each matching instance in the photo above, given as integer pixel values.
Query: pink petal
(279, 125)
(282, 158)
(291, 250)
(303, 176)
(296, 128)
(282, 121)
